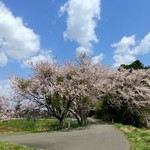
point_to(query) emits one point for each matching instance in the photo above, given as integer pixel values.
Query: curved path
(94, 137)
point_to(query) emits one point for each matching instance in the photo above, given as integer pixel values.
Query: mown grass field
(21, 126)
(139, 138)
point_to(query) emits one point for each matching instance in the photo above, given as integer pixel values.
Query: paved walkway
(94, 137)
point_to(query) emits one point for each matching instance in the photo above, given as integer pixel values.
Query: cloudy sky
(113, 32)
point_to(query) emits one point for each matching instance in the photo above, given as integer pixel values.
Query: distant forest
(135, 65)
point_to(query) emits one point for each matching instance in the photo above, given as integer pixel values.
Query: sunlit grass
(29, 126)
(19, 126)
(139, 138)
(12, 146)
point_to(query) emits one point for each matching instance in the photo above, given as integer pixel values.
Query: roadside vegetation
(33, 126)
(30, 126)
(12, 146)
(139, 138)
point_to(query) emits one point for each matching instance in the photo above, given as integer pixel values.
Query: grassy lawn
(11, 146)
(20, 126)
(29, 126)
(139, 138)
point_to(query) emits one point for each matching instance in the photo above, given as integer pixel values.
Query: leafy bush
(128, 99)
(120, 110)
(98, 110)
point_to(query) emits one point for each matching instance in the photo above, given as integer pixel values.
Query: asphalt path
(94, 137)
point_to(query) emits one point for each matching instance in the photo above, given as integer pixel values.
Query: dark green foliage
(114, 108)
(135, 65)
(98, 110)
(60, 78)
(91, 113)
(68, 76)
(54, 100)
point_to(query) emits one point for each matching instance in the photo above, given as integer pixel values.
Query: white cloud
(44, 56)
(82, 19)
(127, 49)
(81, 49)
(97, 59)
(5, 88)
(3, 59)
(17, 41)
(144, 46)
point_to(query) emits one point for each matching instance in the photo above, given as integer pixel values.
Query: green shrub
(120, 110)
(98, 110)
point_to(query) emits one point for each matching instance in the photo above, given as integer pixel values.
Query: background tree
(128, 101)
(5, 108)
(89, 81)
(135, 65)
(63, 89)
(46, 88)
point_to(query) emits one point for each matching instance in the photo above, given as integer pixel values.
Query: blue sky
(113, 32)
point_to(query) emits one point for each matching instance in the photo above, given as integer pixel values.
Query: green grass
(29, 126)
(19, 126)
(12, 146)
(139, 138)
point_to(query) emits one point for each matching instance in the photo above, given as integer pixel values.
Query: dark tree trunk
(61, 123)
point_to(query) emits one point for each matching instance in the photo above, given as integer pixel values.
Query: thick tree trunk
(61, 123)
(84, 119)
(81, 118)
(76, 116)
(81, 121)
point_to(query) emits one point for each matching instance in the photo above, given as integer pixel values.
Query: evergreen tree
(135, 65)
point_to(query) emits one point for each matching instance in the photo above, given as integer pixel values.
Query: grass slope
(139, 138)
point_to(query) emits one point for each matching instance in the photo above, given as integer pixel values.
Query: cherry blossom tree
(128, 101)
(24, 108)
(5, 108)
(62, 89)
(48, 88)
(89, 82)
